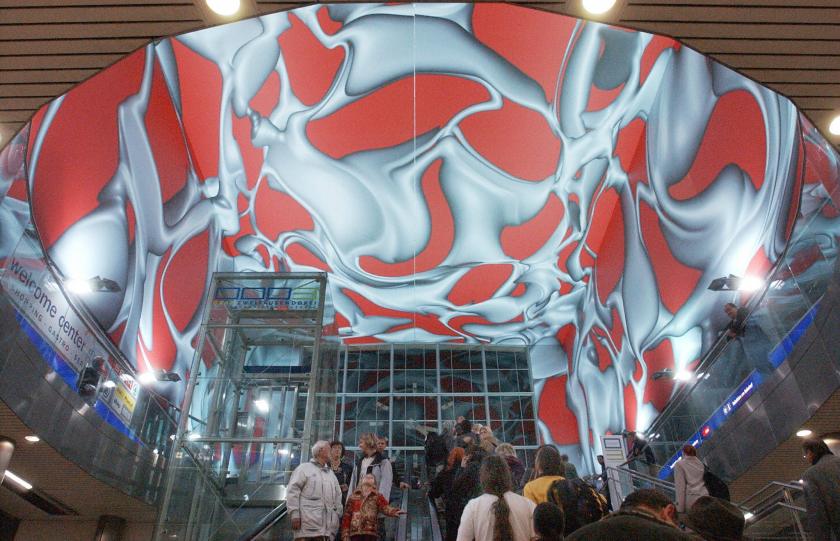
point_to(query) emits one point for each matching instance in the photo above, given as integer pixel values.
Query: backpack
(436, 451)
(714, 484)
(579, 500)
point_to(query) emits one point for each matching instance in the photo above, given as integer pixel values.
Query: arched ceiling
(792, 46)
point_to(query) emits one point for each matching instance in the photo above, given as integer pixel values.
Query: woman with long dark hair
(499, 514)
(548, 468)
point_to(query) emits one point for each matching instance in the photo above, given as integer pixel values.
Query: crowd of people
(483, 493)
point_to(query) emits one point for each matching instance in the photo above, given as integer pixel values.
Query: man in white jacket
(313, 497)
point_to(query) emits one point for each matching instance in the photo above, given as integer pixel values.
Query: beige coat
(688, 481)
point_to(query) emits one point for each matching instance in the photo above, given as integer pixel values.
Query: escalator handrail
(433, 516)
(270, 519)
(402, 524)
(779, 490)
(647, 478)
(712, 355)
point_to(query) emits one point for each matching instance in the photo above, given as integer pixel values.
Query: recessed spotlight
(804, 433)
(225, 8)
(598, 7)
(32, 438)
(109, 384)
(834, 127)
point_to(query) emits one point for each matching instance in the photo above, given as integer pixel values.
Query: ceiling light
(750, 283)
(598, 7)
(683, 375)
(32, 438)
(261, 405)
(147, 378)
(225, 8)
(78, 286)
(834, 127)
(748, 515)
(804, 433)
(194, 436)
(18, 481)
(109, 384)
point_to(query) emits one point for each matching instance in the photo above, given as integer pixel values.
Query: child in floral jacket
(361, 512)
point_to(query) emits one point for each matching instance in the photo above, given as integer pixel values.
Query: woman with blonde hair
(486, 439)
(517, 469)
(372, 462)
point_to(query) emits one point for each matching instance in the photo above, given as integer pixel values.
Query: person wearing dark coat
(645, 515)
(713, 519)
(465, 486)
(343, 470)
(821, 483)
(517, 469)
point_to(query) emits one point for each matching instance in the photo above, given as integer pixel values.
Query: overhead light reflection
(261, 405)
(18, 481)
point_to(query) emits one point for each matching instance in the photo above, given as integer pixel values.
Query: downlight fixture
(834, 127)
(32, 438)
(598, 7)
(225, 8)
(804, 433)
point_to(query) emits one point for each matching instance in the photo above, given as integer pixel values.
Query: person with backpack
(581, 503)
(688, 480)
(499, 514)
(548, 468)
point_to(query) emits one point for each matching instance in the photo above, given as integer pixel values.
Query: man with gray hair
(313, 497)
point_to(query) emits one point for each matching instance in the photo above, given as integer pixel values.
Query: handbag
(715, 485)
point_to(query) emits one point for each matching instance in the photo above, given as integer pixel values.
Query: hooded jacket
(313, 495)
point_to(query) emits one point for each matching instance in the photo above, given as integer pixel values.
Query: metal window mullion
(390, 395)
(342, 397)
(486, 388)
(439, 388)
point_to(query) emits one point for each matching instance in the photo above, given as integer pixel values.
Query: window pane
(524, 381)
(506, 359)
(368, 360)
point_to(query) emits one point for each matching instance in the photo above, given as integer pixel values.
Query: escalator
(776, 512)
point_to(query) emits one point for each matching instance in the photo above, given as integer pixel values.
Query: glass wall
(401, 391)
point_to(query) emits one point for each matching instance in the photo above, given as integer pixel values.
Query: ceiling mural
(463, 173)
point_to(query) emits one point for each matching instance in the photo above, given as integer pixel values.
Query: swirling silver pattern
(371, 203)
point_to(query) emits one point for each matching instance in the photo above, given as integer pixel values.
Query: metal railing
(433, 517)
(268, 521)
(776, 512)
(623, 481)
(402, 524)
